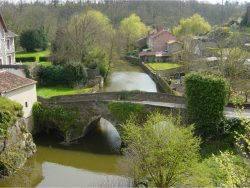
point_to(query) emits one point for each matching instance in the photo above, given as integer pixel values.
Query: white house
(19, 89)
(7, 44)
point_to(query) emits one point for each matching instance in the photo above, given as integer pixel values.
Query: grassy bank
(60, 90)
(162, 66)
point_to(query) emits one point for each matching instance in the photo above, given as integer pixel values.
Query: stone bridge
(94, 106)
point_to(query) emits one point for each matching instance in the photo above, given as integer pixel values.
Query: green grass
(42, 63)
(59, 90)
(162, 66)
(33, 54)
(45, 63)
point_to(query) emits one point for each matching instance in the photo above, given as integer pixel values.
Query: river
(94, 160)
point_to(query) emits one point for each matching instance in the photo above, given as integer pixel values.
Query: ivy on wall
(57, 117)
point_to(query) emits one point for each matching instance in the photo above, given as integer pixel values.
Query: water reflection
(59, 175)
(86, 163)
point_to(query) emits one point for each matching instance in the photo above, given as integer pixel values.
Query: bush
(206, 98)
(25, 59)
(51, 75)
(43, 59)
(70, 74)
(74, 74)
(10, 111)
(161, 151)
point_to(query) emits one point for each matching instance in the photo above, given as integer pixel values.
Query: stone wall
(15, 148)
(164, 86)
(91, 110)
(116, 96)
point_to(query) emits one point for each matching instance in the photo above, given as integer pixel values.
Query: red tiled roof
(9, 81)
(3, 23)
(166, 36)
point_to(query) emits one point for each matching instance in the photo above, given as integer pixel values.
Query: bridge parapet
(117, 96)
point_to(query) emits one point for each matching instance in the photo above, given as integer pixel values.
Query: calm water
(127, 77)
(95, 159)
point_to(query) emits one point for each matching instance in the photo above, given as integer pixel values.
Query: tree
(192, 26)
(160, 150)
(206, 98)
(85, 38)
(131, 29)
(31, 40)
(231, 60)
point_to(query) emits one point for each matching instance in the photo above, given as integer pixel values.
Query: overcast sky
(210, 1)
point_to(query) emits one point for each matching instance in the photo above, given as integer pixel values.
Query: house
(161, 46)
(19, 89)
(7, 44)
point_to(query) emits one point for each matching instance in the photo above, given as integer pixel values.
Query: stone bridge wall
(94, 106)
(117, 96)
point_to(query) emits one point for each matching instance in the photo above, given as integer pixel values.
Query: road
(229, 112)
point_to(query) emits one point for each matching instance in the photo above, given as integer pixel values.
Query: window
(8, 44)
(26, 104)
(1, 61)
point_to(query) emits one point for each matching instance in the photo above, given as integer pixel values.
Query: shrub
(51, 75)
(43, 59)
(206, 98)
(10, 111)
(74, 74)
(161, 150)
(70, 74)
(25, 59)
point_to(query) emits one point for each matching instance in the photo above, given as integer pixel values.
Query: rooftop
(10, 82)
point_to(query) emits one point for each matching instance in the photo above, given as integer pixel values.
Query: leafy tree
(192, 26)
(87, 35)
(160, 150)
(131, 29)
(33, 39)
(206, 98)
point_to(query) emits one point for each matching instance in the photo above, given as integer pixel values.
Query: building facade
(19, 89)
(7, 44)
(162, 46)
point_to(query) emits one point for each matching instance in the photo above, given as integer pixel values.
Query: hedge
(206, 98)
(43, 59)
(25, 59)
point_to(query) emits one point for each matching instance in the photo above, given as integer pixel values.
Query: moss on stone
(58, 117)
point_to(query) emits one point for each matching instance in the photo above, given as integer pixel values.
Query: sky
(210, 1)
